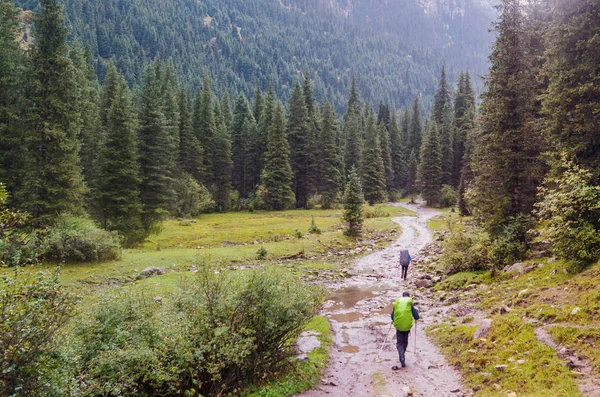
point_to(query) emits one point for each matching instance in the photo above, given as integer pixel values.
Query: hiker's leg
(405, 340)
(400, 344)
(404, 272)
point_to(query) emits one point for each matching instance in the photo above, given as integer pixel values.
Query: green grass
(232, 238)
(445, 221)
(301, 376)
(584, 340)
(533, 368)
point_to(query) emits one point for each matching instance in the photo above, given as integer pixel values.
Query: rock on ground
(151, 271)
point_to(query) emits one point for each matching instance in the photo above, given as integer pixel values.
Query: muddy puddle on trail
(350, 296)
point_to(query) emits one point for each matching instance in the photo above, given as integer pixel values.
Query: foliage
(373, 169)
(448, 196)
(509, 245)
(353, 203)
(73, 238)
(13, 240)
(466, 250)
(193, 198)
(261, 253)
(33, 308)
(314, 229)
(569, 208)
(213, 335)
(430, 168)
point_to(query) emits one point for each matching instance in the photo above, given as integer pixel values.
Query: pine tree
(386, 155)
(352, 132)
(260, 143)
(108, 93)
(277, 175)
(241, 143)
(373, 171)
(118, 193)
(415, 131)
(299, 135)
(441, 99)
(205, 127)
(156, 155)
(53, 182)
(11, 59)
(190, 151)
(258, 104)
(464, 114)
(222, 166)
(446, 132)
(330, 158)
(353, 204)
(430, 168)
(226, 110)
(466, 174)
(170, 100)
(506, 165)
(399, 154)
(571, 104)
(411, 184)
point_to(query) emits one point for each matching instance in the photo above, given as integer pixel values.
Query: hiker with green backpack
(403, 314)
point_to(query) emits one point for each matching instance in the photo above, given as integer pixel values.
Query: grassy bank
(553, 294)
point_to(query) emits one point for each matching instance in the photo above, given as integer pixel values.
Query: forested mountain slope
(395, 48)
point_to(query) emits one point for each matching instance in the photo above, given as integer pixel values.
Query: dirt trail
(364, 348)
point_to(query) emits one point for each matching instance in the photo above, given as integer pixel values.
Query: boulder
(501, 367)
(575, 311)
(426, 277)
(539, 254)
(529, 269)
(157, 299)
(483, 329)
(436, 279)
(150, 272)
(423, 283)
(504, 309)
(306, 343)
(517, 267)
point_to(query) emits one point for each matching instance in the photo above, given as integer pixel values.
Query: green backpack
(403, 318)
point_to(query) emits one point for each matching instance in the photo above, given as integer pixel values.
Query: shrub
(396, 195)
(314, 229)
(192, 198)
(214, 335)
(33, 307)
(466, 251)
(448, 196)
(261, 253)
(16, 245)
(569, 209)
(509, 244)
(78, 239)
(374, 212)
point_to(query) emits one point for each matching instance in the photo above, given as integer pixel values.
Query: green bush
(509, 245)
(448, 196)
(374, 212)
(17, 246)
(215, 335)
(314, 229)
(192, 198)
(78, 239)
(466, 251)
(261, 253)
(33, 308)
(569, 209)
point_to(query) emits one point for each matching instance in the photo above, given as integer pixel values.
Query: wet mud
(359, 310)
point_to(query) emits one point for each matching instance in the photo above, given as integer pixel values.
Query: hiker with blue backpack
(404, 262)
(403, 314)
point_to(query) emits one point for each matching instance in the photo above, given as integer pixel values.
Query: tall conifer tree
(205, 127)
(299, 135)
(277, 175)
(399, 155)
(241, 145)
(330, 158)
(415, 133)
(373, 171)
(430, 168)
(441, 99)
(222, 165)
(190, 151)
(386, 154)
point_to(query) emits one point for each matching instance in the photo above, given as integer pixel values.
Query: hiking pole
(387, 334)
(416, 322)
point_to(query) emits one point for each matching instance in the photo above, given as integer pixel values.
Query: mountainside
(395, 48)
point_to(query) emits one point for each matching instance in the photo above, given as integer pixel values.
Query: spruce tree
(571, 104)
(226, 110)
(170, 100)
(156, 155)
(205, 127)
(241, 143)
(415, 132)
(330, 159)
(190, 151)
(430, 168)
(352, 132)
(108, 93)
(466, 174)
(277, 174)
(441, 99)
(411, 184)
(446, 132)
(118, 192)
(399, 155)
(386, 155)
(53, 182)
(373, 171)
(301, 146)
(506, 165)
(353, 204)
(258, 104)
(11, 59)
(260, 143)
(464, 114)
(222, 166)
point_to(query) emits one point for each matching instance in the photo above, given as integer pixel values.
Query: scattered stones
(511, 394)
(426, 277)
(565, 271)
(157, 299)
(497, 386)
(306, 343)
(504, 309)
(150, 272)
(575, 311)
(484, 287)
(485, 374)
(529, 269)
(193, 269)
(423, 283)
(455, 391)
(523, 292)
(476, 388)
(541, 266)
(483, 330)
(553, 272)
(552, 260)
(470, 287)
(501, 367)
(521, 362)
(436, 279)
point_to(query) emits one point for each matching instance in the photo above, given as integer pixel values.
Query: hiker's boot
(403, 363)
